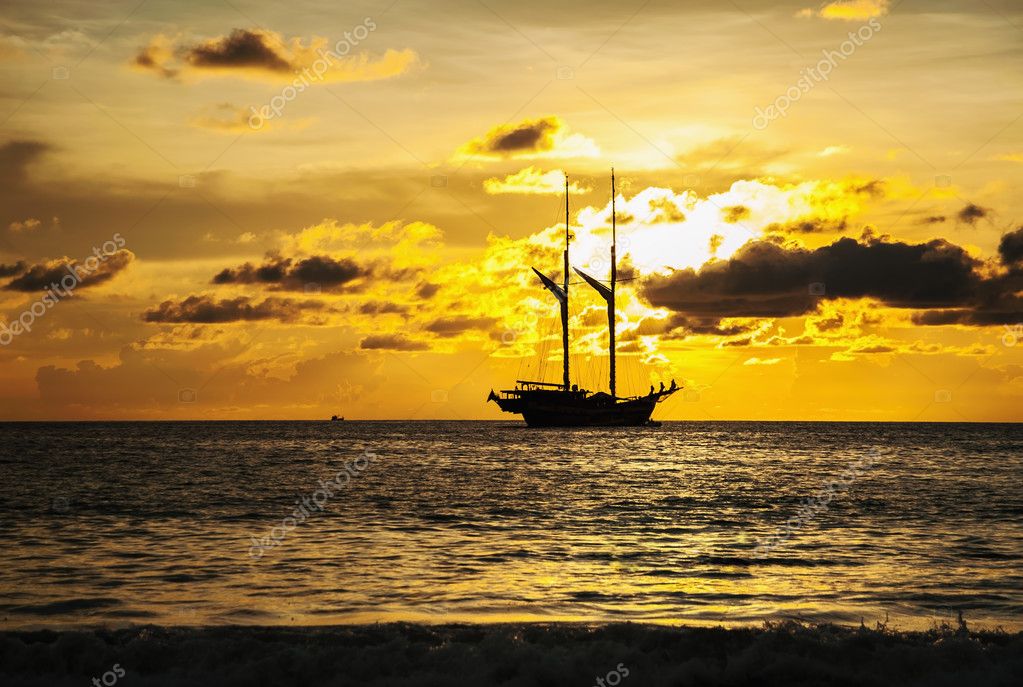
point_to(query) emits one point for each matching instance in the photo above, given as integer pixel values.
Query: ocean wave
(411, 655)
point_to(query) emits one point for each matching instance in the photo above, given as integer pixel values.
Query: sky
(252, 210)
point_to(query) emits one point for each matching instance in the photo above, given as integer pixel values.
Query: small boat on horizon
(543, 404)
(335, 418)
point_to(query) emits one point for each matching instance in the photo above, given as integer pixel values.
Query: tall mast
(564, 303)
(607, 293)
(614, 276)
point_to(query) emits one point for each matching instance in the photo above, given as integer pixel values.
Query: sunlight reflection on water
(111, 523)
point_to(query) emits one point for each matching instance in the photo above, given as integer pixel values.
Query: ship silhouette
(543, 404)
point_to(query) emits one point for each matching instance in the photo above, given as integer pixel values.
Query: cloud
(391, 342)
(43, 275)
(736, 213)
(1005, 311)
(427, 290)
(762, 361)
(453, 326)
(12, 47)
(265, 55)
(383, 308)
(532, 181)
(255, 49)
(531, 138)
(1010, 248)
(811, 226)
(15, 158)
(205, 310)
(155, 56)
(849, 10)
(226, 118)
(972, 213)
(318, 271)
(30, 224)
(12, 269)
(831, 151)
(764, 279)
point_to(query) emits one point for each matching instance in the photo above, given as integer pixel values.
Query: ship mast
(608, 294)
(560, 292)
(564, 303)
(614, 276)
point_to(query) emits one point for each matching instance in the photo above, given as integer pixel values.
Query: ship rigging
(543, 404)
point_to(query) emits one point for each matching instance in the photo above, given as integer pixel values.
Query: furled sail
(553, 287)
(603, 290)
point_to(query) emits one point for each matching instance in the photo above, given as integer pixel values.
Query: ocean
(698, 523)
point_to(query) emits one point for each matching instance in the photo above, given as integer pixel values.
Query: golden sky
(290, 210)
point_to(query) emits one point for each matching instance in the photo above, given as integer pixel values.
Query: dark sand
(512, 654)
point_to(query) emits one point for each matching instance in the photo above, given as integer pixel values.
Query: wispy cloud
(848, 10)
(532, 181)
(265, 56)
(532, 138)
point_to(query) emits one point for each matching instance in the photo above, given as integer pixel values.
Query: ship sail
(552, 286)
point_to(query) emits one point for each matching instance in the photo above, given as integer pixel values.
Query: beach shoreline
(785, 653)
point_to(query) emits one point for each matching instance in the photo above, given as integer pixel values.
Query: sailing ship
(543, 404)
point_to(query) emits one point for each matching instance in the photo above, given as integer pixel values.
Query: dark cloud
(13, 269)
(91, 272)
(380, 308)
(933, 219)
(16, 156)
(972, 213)
(1010, 248)
(764, 279)
(996, 303)
(530, 136)
(830, 324)
(427, 290)
(665, 210)
(453, 326)
(678, 326)
(205, 310)
(874, 188)
(736, 213)
(706, 325)
(149, 58)
(242, 48)
(877, 348)
(810, 226)
(391, 342)
(320, 271)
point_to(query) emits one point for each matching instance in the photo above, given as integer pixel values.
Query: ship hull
(569, 409)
